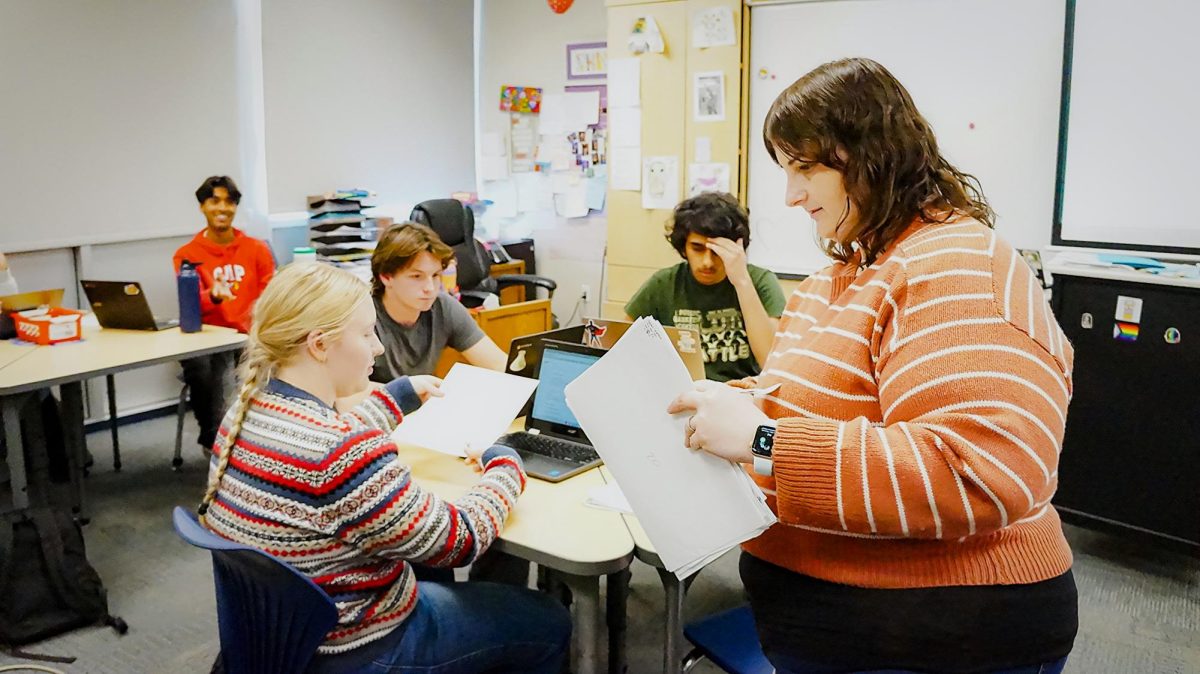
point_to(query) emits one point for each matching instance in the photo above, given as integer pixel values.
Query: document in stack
(477, 406)
(693, 505)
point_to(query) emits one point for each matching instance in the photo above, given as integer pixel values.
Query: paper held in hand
(693, 506)
(477, 407)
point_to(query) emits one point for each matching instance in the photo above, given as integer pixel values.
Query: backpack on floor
(47, 585)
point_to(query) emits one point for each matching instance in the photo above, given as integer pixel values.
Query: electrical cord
(30, 668)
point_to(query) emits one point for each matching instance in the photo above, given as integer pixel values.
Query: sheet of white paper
(478, 407)
(624, 83)
(609, 497)
(707, 178)
(533, 192)
(625, 127)
(552, 118)
(597, 192)
(713, 28)
(625, 168)
(692, 505)
(703, 149)
(563, 181)
(492, 145)
(503, 195)
(573, 202)
(494, 167)
(660, 182)
(582, 109)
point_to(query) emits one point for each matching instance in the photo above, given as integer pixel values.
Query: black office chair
(454, 223)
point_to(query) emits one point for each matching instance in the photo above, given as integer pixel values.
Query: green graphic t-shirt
(674, 297)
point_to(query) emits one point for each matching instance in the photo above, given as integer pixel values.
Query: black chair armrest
(473, 298)
(515, 279)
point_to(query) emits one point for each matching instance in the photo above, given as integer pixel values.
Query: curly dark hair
(712, 214)
(852, 115)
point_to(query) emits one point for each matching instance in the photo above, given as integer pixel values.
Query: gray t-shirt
(415, 349)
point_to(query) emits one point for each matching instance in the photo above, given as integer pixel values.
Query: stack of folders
(693, 506)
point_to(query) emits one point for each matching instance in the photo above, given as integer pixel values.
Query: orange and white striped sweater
(920, 419)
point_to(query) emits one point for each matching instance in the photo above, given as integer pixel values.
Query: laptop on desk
(553, 446)
(121, 305)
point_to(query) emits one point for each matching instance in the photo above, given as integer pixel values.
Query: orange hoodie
(246, 264)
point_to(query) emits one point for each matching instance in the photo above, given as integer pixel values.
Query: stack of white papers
(693, 506)
(477, 407)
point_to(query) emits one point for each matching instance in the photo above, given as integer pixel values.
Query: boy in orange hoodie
(234, 269)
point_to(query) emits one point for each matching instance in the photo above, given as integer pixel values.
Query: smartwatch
(761, 448)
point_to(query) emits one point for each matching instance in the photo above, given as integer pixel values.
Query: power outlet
(585, 292)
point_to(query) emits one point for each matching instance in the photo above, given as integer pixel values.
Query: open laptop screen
(559, 367)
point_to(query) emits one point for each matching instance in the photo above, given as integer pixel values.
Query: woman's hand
(722, 421)
(427, 386)
(733, 256)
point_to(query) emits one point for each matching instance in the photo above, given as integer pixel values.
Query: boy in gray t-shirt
(415, 318)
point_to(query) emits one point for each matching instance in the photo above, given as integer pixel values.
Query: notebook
(553, 446)
(121, 305)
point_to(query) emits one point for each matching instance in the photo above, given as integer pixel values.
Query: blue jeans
(784, 665)
(463, 628)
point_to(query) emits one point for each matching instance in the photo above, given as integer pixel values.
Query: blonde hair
(299, 300)
(397, 247)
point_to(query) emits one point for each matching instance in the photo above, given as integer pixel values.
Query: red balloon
(559, 6)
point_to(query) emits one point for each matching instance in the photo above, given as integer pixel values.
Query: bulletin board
(985, 73)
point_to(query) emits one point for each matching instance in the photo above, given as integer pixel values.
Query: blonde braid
(256, 369)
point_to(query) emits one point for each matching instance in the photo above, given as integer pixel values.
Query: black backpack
(47, 585)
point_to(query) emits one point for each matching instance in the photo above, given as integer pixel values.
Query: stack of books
(341, 232)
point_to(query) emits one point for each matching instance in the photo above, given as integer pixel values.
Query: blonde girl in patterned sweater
(913, 440)
(326, 492)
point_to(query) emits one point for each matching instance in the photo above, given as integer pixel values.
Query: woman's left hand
(723, 420)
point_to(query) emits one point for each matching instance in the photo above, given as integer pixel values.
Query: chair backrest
(271, 617)
(454, 223)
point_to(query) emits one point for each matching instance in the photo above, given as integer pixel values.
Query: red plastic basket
(42, 330)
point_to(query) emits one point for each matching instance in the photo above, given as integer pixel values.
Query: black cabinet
(1131, 455)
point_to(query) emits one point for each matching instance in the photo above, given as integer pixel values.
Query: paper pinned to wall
(624, 83)
(582, 109)
(493, 167)
(707, 177)
(625, 127)
(646, 37)
(533, 192)
(564, 181)
(523, 141)
(597, 191)
(492, 145)
(573, 202)
(625, 168)
(713, 28)
(660, 182)
(708, 96)
(553, 118)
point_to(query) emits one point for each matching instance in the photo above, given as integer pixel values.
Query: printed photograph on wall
(709, 96)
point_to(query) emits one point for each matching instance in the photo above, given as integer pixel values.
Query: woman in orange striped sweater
(911, 449)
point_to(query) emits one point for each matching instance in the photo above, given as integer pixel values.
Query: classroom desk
(101, 352)
(552, 527)
(10, 353)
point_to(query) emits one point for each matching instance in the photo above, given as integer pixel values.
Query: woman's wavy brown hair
(853, 115)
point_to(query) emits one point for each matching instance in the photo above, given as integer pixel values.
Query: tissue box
(48, 326)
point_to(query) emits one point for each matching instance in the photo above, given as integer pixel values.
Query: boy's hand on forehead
(733, 255)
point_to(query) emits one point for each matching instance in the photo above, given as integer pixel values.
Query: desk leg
(112, 419)
(586, 637)
(16, 450)
(616, 613)
(675, 591)
(72, 411)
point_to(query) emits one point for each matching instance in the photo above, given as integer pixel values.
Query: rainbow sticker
(1126, 332)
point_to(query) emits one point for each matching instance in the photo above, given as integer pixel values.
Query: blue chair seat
(271, 617)
(729, 640)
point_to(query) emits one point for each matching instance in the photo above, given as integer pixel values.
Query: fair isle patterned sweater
(326, 493)
(920, 418)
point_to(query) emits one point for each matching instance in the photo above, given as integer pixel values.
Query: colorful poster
(520, 99)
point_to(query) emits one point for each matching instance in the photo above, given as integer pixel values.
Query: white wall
(524, 43)
(368, 93)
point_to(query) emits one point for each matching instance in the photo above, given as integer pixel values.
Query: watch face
(764, 441)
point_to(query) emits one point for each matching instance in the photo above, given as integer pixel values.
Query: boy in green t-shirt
(735, 306)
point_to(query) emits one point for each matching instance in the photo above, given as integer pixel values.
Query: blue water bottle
(188, 283)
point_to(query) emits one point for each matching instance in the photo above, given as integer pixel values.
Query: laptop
(685, 340)
(23, 302)
(121, 305)
(553, 446)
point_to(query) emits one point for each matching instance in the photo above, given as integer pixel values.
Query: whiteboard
(993, 64)
(1130, 157)
(113, 113)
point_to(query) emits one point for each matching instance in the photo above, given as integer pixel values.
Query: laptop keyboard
(555, 448)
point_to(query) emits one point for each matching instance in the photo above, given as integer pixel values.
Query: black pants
(205, 376)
